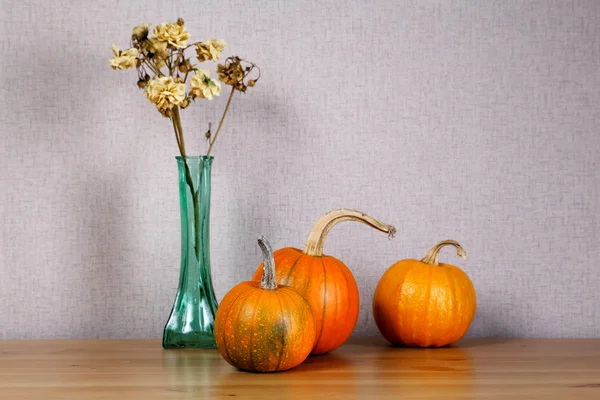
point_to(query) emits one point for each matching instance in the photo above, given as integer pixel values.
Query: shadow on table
(193, 371)
(354, 372)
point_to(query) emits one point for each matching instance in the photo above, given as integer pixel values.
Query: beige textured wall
(472, 120)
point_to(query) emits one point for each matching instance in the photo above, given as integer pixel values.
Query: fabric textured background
(477, 121)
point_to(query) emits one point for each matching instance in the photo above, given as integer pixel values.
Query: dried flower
(155, 50)
(140, 32)
(219, 45)
(210, 50)
(203, 52)
(174, 35)
(153, 47)
(124, 59)
(231, 73)
(204, 87)
(165, 93)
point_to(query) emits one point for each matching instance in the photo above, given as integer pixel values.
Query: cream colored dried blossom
(174, 35)
(155, 50)
(156, 47)
(218, 45)
(210, 50)
(165, 93)
(140, 32)
(159, 49)
(204, 87)
(124, 58)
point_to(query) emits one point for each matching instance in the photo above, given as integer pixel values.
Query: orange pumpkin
(425, 303)
(325, 281)
(264, 327)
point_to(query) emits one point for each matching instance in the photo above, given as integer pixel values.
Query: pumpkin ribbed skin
(330, 289)
(418, 304)
(264, 330)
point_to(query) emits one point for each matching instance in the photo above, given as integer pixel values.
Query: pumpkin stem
(269, 280)
(316, 238)
(432, 257)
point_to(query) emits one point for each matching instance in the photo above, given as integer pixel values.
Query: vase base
(173, 340)
(187, 345)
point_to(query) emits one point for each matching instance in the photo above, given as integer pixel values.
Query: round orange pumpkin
(325, 281)
(425, 303)
(264, 327)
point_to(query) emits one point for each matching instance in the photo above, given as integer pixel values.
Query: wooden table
(362, 368)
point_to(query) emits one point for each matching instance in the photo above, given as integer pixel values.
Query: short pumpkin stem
(432, 257)
(269, 280)
(316, 238)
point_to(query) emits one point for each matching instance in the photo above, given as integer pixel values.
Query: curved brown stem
(432, 257)
(316, 238)
(269, 280)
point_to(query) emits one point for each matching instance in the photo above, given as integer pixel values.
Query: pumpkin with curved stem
(325, 281)
(425, 303)
(264, 327)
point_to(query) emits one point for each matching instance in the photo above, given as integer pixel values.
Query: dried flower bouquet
(163, 70)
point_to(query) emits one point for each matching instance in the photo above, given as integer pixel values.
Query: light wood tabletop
(362, 368)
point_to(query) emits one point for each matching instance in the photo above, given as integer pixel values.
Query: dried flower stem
(177, 119)
(152, 67)
(221, 122)
(181, 151)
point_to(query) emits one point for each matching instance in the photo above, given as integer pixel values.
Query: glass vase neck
(181, 158)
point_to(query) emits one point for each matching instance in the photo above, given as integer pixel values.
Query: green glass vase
(192, 319)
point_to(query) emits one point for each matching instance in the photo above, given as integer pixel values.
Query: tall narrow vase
(192, 318)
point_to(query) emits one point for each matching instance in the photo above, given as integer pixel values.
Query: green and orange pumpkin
(262, 326)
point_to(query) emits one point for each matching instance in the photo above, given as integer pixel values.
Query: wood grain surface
(362, 368)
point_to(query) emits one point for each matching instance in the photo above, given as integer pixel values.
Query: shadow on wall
(255, 198)
(109, 259)
(493, 320)
(365, 325)
(91, 239)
